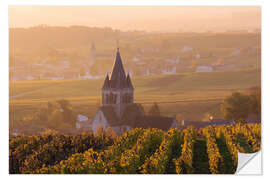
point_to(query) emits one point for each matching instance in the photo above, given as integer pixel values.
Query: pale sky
(149, 18)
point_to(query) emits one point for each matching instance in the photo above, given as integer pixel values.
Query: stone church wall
(99, 120)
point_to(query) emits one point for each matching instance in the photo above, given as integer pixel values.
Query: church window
(128, 99)
(111, 98)
(107, 99)
(124, 98)
(115, 98)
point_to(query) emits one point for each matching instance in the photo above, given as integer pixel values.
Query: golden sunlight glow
(157, 18)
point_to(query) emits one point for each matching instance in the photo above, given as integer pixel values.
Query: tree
(100, 131)
(255, 100)
(50, 107)
(110, 133)
(68, 114)
(154, 111)
(236, 107)
(69, 117)
(64, 103)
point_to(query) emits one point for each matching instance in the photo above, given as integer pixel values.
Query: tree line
(239, 106)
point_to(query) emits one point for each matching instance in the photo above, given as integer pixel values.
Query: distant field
(84, 95)
(152, 85)
(19, 87)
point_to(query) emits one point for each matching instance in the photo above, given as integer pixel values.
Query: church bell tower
(117, 90)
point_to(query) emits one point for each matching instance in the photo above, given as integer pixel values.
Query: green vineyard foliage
(215, 158)
(137, 151)
(184, 162)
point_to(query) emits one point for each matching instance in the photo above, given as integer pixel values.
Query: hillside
(74, 43)
(81, 37)
(153, 85)
(191, 96)
(76, 51)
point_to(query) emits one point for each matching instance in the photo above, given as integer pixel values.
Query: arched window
(107, 99)
(128, 98)
(111, 98)
(115, 98)
(124, 98)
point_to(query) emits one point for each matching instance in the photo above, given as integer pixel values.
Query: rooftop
(118, 78)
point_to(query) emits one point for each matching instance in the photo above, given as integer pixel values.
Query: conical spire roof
(129, 84)
(118, 77)
(106, 84)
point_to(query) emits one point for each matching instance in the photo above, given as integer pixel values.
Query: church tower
(92, 55)
(117, 90)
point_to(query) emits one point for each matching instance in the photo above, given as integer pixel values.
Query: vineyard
(210, 150)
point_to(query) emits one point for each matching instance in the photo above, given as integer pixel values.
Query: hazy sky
(149, 18)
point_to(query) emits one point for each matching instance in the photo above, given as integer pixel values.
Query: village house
(236, 52)
(173, 60)
(136, 59)
(187, 48)
(118, 109)
(204, 69)
(198, 56)
(83, 123)
(225, 67)
(169, 70)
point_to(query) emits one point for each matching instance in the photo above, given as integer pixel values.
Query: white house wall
(174, 124)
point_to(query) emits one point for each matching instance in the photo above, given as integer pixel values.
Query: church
(118, 109)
